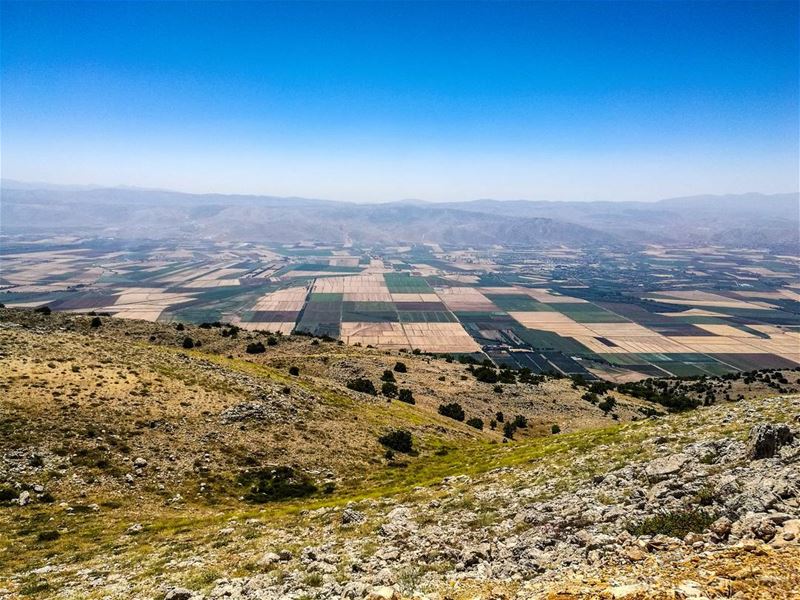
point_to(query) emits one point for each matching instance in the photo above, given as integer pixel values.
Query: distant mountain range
(747, 220)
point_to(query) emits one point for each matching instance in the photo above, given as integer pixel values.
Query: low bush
(48, 536)
(7, 493)
(475, 422)
(294, 371)
(509, 429)
(96, 322)
(406, 396)
(43, 310)
(269, 485)
(188, 343)
(400, 367)
(398, 440)
(452, 410)
(255, 348)
(363, 385)
(520, 422)
(673, 523)
(555, 429)
(387, 376)
(389, 389)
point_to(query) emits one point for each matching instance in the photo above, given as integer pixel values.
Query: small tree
(398, 440)
(96, 322)
(452, 410)
(294, 371)
(400, 367)
(255, 348)
(406, 396)
(520, 422)
(499, 416)
(508, 430)
(555, 429)
(608, 404)
(272, 341)
(360, 384)
(475, 422)
(179, 327)
(188, 343)
(389, 389)
(387, 376)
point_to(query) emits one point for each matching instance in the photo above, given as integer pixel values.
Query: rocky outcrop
(767, 439)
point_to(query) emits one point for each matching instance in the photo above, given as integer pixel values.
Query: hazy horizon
(388, 101)
(43, 185)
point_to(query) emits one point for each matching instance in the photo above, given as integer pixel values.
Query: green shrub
(272, 341)
(475, 422)
(255, 348)
(48, 536)
(294, 371)
(508, 430)
(608, 404)
(7, 493)
(520, 422)
(43, 310)
(387, 376)
(485, 374)
(398, 440)
(406, 396)
(673, 524)
(269, 485)
(188, 343)
(365, 386)
(499, 416)
(452, 410)
(389, 389)
(400, 367)
(96, 322)
(555, 429)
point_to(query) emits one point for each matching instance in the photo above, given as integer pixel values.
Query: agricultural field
(605, 313)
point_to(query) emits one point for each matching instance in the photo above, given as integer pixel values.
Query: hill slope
(217, 471)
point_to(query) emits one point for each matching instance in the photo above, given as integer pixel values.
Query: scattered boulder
(662, 468)
(351, 516)
(721, 528)
(178, 594)
(766, 439)
(383, 593)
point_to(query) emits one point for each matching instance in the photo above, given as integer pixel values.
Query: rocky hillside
(214, 472)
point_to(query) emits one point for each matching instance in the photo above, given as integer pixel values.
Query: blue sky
(389, 100)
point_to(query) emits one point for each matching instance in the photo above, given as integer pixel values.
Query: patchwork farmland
(605, 314)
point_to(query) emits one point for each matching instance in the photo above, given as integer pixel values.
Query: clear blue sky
(383, 100)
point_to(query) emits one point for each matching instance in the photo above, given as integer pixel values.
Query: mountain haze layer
(751, 220)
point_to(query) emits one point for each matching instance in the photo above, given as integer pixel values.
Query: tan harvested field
(289, 299)
(351, 284)
(439, 337)
(384, 335)
(465, 299)
(428, 337)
